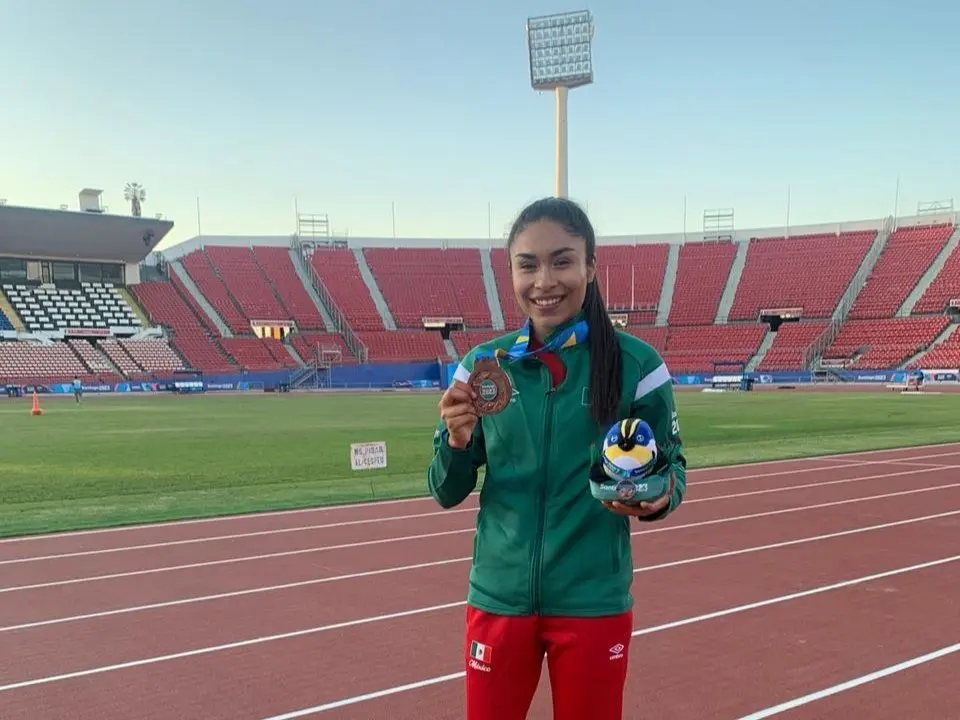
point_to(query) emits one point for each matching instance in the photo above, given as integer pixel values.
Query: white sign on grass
(368, 456)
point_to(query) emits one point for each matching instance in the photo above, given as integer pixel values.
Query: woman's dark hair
(606, 363)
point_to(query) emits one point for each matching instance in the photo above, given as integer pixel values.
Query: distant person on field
(552, 566)
(77, 389)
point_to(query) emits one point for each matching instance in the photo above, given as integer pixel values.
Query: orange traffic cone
(36, 405)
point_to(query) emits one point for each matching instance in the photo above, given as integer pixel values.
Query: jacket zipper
(542, 499)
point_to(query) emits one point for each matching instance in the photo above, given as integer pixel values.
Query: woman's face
(550, 274)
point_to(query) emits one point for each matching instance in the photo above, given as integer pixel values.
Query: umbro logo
(616, 652)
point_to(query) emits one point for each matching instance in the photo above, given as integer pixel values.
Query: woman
(552, 566)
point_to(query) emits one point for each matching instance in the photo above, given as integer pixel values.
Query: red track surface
(772, 582)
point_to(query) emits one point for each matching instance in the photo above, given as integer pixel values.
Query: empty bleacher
(790, 344)
(424, 282)
(193, 333)
(241, 275)
(23, 362)
(905, 257)
(322, 348)
(337, 270)
(245, 284)
(631, 277)
(153, 357)
(256, 354)
(807, 271)
(276, 265)
(883, 343)
(70, 306)
(702, 273)
(402, 346)
(943, 357)
(198, 267)
(694, 349)
(944, 288)
(512, 317)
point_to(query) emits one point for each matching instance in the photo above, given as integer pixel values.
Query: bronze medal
(492, 386)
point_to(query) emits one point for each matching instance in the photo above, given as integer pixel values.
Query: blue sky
(353, 105)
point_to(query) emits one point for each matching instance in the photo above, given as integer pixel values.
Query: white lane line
(855, 682)
(636, 633)
(381, 503)
(304, 528)
(363, 621)
(452, 561)
(304, 551)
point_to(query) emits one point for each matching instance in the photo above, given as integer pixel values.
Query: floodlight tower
(560, 60)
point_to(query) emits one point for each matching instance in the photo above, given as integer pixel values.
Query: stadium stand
(702, 273)
(402, 346)
(944, 288)
(790, 345)
(946, 355)
(26, 362)
(147, 356)
(277, 267)
(906, 256)
(246, 283)
(337, 270)
(631, 278)
(212, 287)
(232, 306)
(69, 306)
(806, 271)
(194, 336)
(418, 283)
(884, 343)
(694, 349)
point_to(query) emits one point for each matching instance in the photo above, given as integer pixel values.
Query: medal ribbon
(576, 334)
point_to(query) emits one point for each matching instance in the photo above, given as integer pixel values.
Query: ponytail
(606, 362)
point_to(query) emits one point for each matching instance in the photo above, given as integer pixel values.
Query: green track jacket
(543, 544)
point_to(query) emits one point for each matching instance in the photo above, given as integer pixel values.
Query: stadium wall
(739, 235)
(434, 376)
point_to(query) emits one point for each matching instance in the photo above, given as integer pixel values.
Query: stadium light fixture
(560, 49)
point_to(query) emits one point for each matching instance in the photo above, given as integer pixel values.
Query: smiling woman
(552, 565)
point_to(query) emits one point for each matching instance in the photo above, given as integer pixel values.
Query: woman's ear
(591, 269)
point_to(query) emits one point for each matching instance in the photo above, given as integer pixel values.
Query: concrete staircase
(938, 340)
(490, 286)
(859, 279)
(294, 354)
(761, 351)
(733, 282)
(669, 283)
(304, 276)
(176, 268)
(451, 350)
(371, 283)
(935, 267)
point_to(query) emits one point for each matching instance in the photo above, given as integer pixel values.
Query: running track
(819, 588)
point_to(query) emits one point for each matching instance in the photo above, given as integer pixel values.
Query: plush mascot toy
(627, 459)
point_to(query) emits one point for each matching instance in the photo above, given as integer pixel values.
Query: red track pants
(586, 659)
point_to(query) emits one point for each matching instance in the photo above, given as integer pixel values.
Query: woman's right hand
(458, 414)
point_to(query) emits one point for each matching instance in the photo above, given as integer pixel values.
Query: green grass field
(120, 460)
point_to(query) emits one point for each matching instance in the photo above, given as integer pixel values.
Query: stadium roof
(73, 235)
